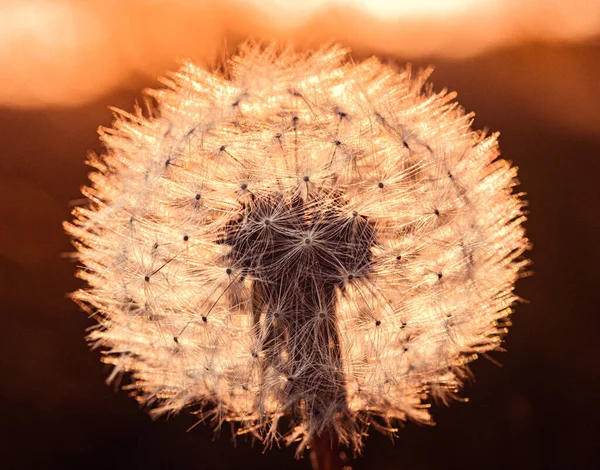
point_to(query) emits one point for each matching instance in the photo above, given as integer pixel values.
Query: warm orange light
(385, 9)
(46, 50)
(65, 52)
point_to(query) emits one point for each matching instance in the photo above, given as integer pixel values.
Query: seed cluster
(298, 244)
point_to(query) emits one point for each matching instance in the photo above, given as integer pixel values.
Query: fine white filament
(298, 244)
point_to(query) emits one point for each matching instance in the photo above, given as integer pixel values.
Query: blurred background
(528, 68)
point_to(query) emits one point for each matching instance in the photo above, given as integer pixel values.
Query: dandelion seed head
(299, 240)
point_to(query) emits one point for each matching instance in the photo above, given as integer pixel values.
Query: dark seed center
(301, 281)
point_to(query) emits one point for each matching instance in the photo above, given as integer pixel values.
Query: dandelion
(298, 244)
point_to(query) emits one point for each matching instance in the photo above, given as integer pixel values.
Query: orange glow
(49, 46)
(384, 9)
(422, 8)
(65, 52)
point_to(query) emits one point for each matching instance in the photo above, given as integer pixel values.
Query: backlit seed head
(300, 237)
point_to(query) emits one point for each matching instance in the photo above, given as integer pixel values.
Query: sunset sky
(64, 52)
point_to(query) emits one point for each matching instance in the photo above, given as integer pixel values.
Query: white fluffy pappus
(298, 244)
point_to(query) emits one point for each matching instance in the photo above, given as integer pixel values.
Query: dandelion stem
(325, 453)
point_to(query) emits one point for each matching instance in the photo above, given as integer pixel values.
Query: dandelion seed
(308, 258)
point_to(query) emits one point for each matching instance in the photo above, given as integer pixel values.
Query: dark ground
(539, 411)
